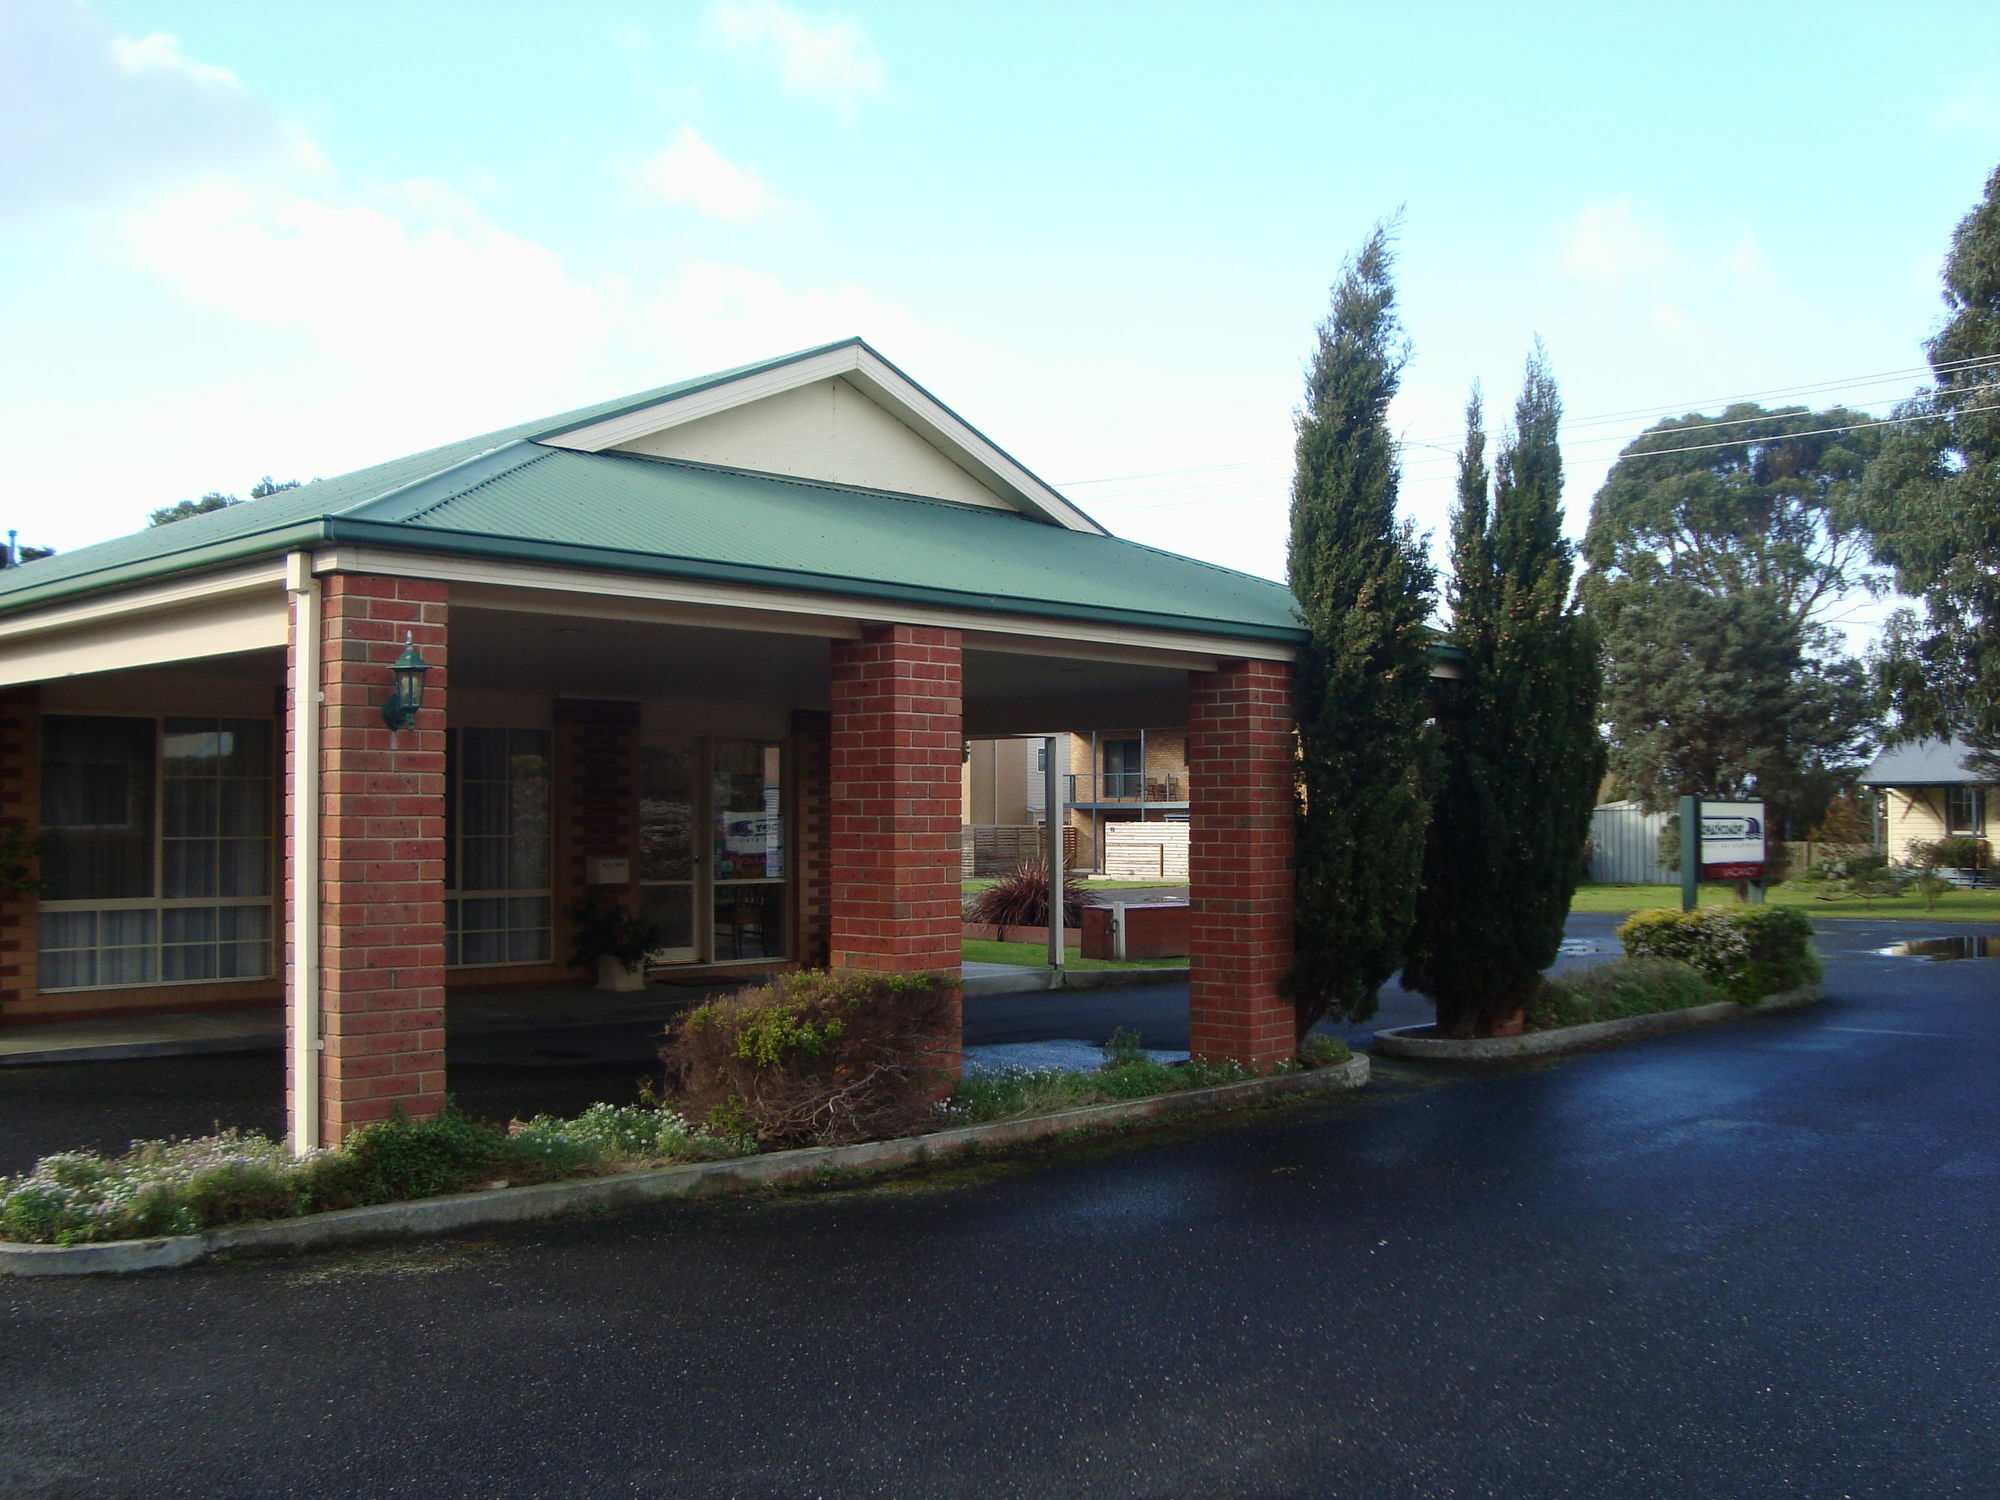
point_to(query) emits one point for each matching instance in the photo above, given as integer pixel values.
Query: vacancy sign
(1732, 841)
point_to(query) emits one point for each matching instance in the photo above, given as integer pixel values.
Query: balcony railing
(1132, 787)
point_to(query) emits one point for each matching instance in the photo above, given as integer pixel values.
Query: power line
(1647, 453)
(1957, 366)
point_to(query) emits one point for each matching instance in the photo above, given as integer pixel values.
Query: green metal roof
(506, 495)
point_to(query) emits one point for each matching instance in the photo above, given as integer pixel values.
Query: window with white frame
(1966, 809)
(157, 845)
(498, 900)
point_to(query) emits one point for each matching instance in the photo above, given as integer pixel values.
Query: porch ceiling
(590, 657)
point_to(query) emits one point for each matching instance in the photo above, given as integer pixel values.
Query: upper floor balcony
(1128, 789)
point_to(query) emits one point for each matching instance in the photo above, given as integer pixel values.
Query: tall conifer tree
(1364, 589)
(1521, 755)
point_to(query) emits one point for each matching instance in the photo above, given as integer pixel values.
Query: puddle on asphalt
(1941, 950)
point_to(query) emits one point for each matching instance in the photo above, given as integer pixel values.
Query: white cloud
(88, 116)
(824, 57)
(1606, 242)
(1748, 266)
(1974, 110)
(161, 52)
(716, 315)
(693, 173)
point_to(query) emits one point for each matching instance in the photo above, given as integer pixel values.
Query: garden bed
(504, 1205)
(1418, 1042)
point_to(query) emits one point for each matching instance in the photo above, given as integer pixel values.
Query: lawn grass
(1955, 906)
(1036, 955)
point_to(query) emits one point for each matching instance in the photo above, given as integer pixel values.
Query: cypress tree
(1521, 755)
(1363, 586)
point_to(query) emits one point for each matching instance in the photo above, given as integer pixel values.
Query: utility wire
(1846, 382)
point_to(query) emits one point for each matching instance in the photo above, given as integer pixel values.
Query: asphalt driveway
(1750, 1261)
(503, 1075)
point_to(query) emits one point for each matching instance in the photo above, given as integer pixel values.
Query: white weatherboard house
(709, 653)
(1928, 790)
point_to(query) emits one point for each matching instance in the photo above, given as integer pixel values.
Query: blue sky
(256, 238)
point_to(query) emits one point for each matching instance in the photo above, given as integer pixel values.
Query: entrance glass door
(713, 848)
(667, 855)
(748, 851)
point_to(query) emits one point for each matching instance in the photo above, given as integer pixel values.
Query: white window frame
(159, 904)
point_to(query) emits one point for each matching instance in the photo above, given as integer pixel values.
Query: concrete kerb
(427, 1216)
(1403, 1041)
(1031, 980)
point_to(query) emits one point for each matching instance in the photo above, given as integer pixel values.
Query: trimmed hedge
(1746, 954)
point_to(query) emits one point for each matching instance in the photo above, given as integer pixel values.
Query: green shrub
(817, 1058)
(402, 1157)
(1017, 1093)
(1746, 953)
(1615, 990)
(1862, 874)
(1322, 1051)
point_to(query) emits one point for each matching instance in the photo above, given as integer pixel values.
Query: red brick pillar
(381, 857)
(596, 795)
(812, 751)
(20, 805)
(1241, 892)
(895, 766)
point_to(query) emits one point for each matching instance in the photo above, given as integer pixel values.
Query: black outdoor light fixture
(406, 690)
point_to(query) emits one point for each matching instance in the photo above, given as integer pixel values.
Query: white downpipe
(302, 1017)
(1054, 818)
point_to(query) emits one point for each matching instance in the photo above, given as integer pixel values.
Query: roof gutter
(189, 560)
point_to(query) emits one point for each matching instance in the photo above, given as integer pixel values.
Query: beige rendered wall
(996, 782)
(827, 430)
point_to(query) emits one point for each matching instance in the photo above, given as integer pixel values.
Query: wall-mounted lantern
(406, 690)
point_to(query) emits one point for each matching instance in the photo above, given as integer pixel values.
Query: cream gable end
(829, 430)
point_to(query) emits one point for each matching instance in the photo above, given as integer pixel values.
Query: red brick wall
(595, 789)
(20, 802)
(381, 857)
(1240, 889)
(812, 749)
(894, 829)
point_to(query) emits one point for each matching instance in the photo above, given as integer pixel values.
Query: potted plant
(616, 940)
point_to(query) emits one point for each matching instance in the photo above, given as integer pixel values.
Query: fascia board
(883, 382)
(21, 602)
(676, 411)
(176, 594)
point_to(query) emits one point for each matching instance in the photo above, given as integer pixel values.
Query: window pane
(749, 921)
(666, 813)
(483, 865)
(97, 807)
(749, 812)
(187, 867)
(482, 754)
(672, 906)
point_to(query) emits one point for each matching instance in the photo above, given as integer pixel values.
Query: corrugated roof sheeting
(1922, 763)
(831, 534)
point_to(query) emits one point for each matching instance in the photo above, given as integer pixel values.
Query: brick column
(1241, 891)
(596, 796)
(812, 751)
(381, 857)
(895, 770)
(20, 804)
